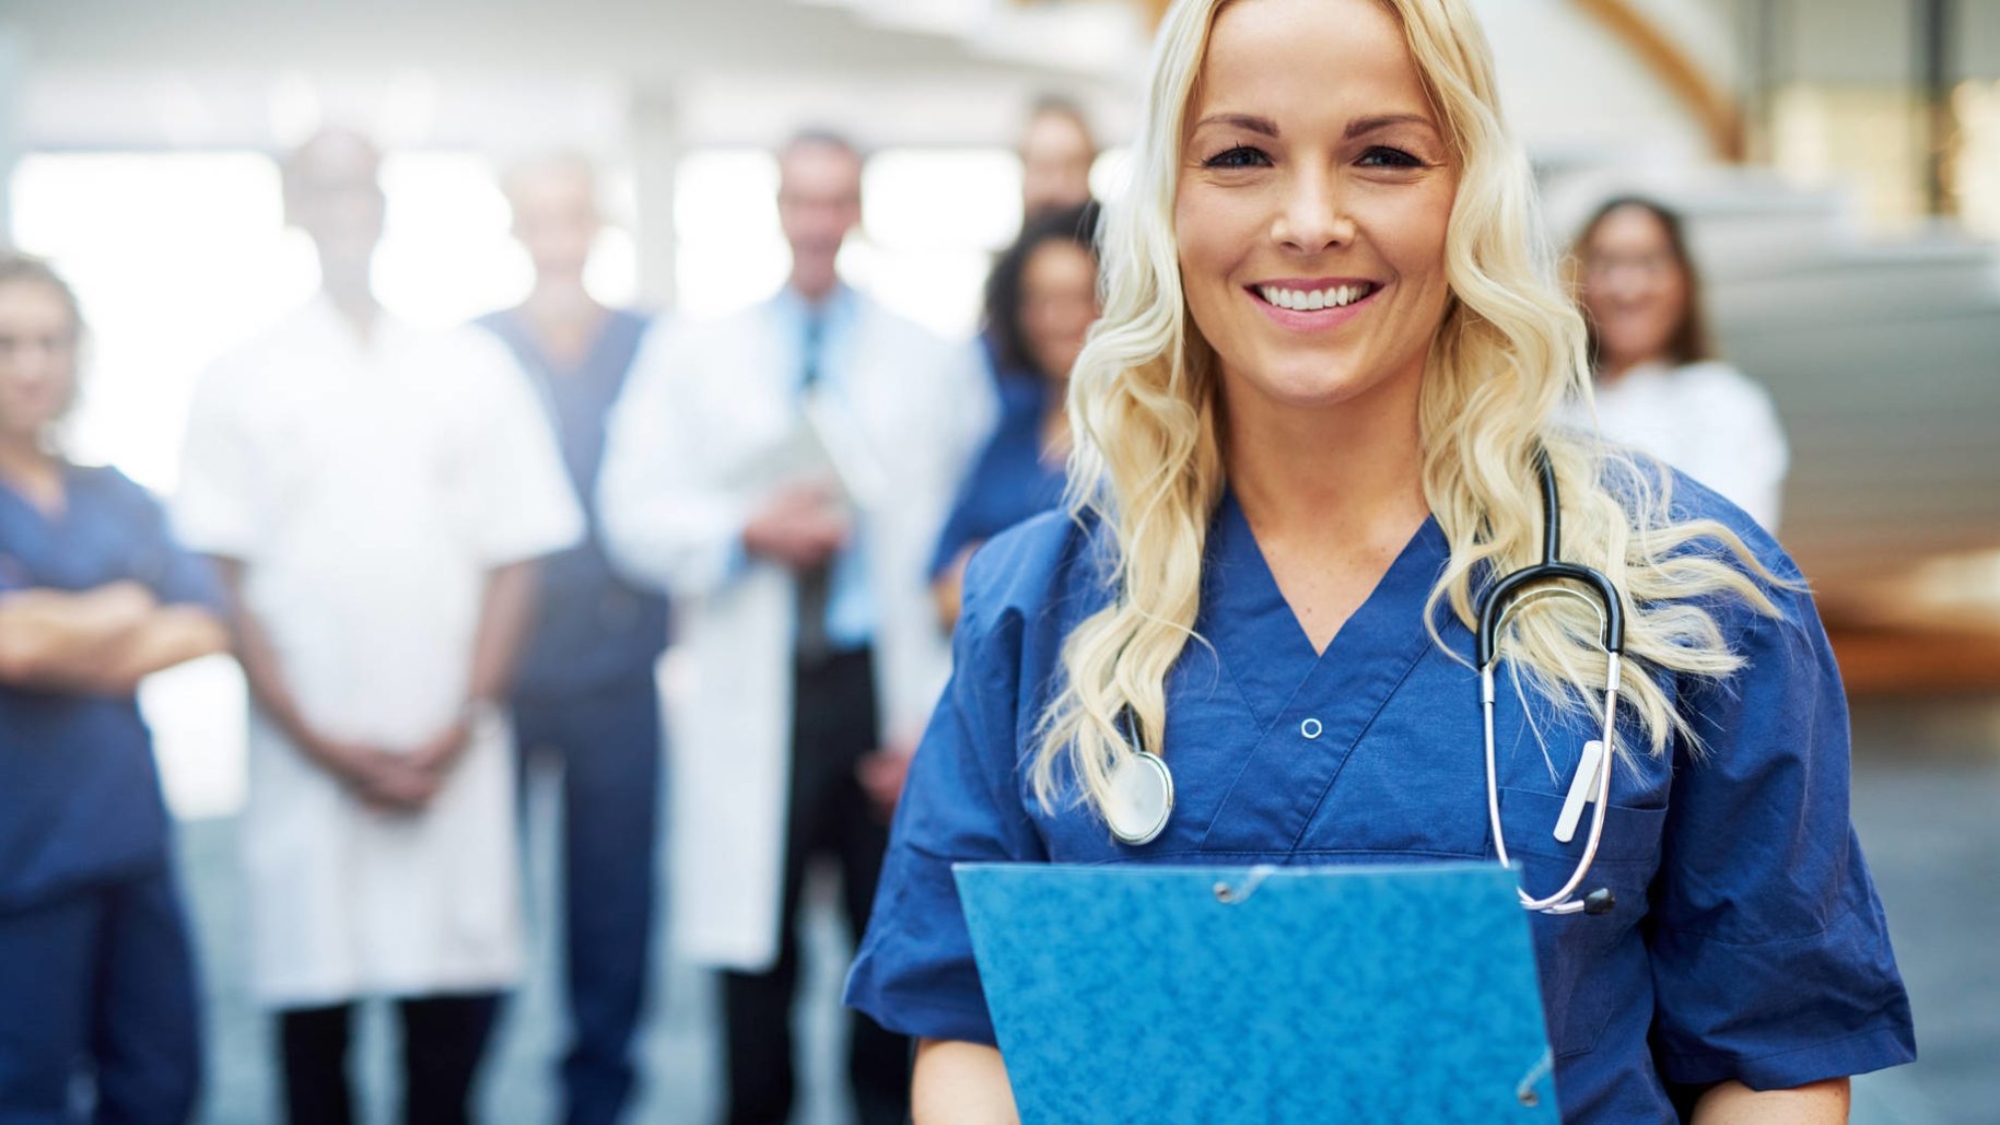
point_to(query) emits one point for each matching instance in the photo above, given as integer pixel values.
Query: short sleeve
(514, 495)
(220, 506)
(156, 559)
(915, 973)
(1771, 956)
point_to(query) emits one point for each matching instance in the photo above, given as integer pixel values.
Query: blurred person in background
(1040, 303)
(375, 496)
(1057, 151)
(586, 693)
(97, 974)
(783, 472)
(1658, 384)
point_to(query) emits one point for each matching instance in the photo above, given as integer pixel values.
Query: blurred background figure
(585, 694)
(1837, 164)
(1057, 153)
(1041, 300)
(375, 496)
(99, 1003)
(783, 471)
(1659, 386)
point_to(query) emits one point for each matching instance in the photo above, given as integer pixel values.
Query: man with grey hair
(783, 473)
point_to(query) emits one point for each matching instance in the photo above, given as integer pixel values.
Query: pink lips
(1312, 320)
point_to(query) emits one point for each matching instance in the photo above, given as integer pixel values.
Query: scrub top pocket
(1578, 955)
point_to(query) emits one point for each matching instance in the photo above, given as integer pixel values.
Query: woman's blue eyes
(1380, 156)
(1390, 158)
(1242, 156)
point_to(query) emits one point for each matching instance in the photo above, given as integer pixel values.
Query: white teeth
(1309, 300)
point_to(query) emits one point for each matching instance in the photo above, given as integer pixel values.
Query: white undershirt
(1706, 419)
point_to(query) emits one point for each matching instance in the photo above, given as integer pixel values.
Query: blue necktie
(815, 583)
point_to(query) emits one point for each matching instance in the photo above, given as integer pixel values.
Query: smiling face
(1058, 304)
(819, 202)
(555, 216)
(1315, 190)
(1635, 287)
(38, 337)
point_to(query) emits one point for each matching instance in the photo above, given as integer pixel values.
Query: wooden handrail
(1718, 114)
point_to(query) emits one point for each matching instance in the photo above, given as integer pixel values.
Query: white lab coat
(705, 401)
(1708, 420)
(369, 486)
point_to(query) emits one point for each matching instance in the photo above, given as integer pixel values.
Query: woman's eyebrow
(1262, 126)
(1363, 125)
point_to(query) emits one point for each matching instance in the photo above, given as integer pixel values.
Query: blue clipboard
(1270, 995)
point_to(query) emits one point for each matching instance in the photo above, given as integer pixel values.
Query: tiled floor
(1926, 804)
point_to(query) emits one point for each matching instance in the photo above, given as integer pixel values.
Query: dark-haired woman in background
(1041, 300)
(97, 976)
(1659, 386)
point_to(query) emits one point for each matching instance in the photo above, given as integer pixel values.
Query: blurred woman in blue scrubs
(1041, 300)
(97, 976)
(1310, 421)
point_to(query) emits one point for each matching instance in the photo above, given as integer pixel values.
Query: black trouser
(443, 1039)
(833, 726)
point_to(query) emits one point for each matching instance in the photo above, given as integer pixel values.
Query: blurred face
(1634, 288)
(1315, 189)
(1056, 155)
(37, 358)
(332, 194)
(819, 201)
(556, 219)
(1058, 304)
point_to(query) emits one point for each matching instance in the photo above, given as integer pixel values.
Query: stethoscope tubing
(1513, 589)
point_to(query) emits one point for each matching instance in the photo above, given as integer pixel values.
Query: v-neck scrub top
(1747, 941)
(80, 799)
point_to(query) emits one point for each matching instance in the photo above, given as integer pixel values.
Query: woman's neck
(1615, 368)
(35, 472)
(564, 319)
(1338, 472)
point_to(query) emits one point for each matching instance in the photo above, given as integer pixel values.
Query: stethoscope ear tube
(1492, 612)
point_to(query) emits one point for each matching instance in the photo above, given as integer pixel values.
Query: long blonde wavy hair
(1509, 350)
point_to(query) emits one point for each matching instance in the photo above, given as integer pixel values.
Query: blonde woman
(1328, 367)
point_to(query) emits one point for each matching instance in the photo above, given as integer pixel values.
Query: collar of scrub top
(1140, 795)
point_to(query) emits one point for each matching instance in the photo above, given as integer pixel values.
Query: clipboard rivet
(1311, 728)
(1530, 1099)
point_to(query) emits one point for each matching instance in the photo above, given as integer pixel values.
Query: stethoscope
(1140, 796)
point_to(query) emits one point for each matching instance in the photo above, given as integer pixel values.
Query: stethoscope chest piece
(1141, 798)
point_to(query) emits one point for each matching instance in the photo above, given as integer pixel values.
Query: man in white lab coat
(783, 472)
(376, 496)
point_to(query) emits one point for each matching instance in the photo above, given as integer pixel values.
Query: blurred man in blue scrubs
(586, 694)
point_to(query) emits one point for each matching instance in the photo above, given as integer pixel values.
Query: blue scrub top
(592, 628)
(1009, 483)
(80, 799)
(1747, 941)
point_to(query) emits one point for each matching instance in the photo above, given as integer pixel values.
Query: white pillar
(13, 71)
(655, 156)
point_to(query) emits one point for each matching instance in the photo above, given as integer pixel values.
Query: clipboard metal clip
(1525, 1091)
(1234, 896)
